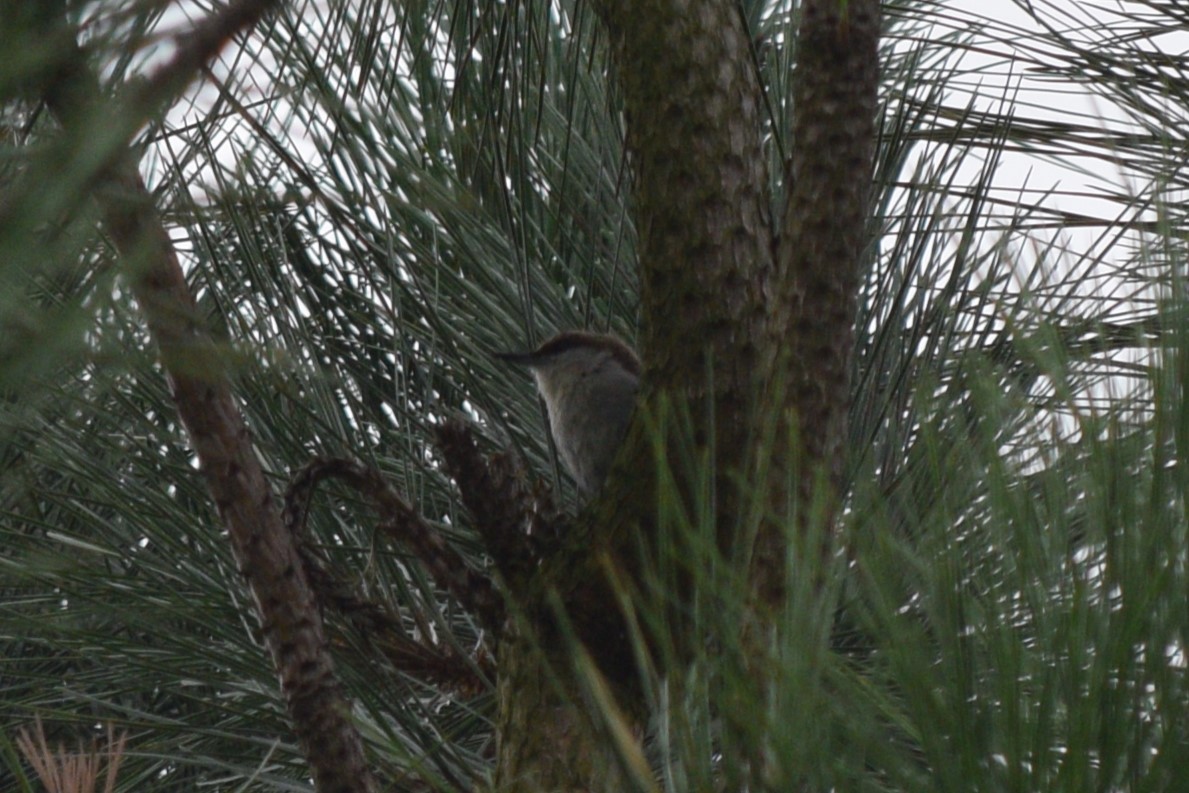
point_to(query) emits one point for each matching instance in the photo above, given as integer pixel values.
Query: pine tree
(940, 546)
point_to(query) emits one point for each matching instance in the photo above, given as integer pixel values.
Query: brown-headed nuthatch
(588, 382)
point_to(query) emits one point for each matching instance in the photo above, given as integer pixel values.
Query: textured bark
(725, 325)
(265, 551)
(694, 134)
(693, 105)
(824, 227)
(695, 139)
(545, 740)
(824, 235)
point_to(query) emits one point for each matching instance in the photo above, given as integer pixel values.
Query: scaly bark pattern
(267, 557)
(693, 105)
(823, 240)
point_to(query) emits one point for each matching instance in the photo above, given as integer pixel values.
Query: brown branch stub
(496, 492)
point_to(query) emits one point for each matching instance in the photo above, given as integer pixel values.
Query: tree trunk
(737, 333)
(546, 739)
(819, 264)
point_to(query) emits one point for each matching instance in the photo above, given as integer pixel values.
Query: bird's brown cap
(571, 339)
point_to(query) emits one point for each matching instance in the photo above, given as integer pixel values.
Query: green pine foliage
(369, 198)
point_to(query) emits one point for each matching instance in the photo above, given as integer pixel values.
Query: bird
(589, 383)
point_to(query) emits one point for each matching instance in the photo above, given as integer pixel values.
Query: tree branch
(375, 624)
(823, 243)
(403, 525)
(265, 552)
